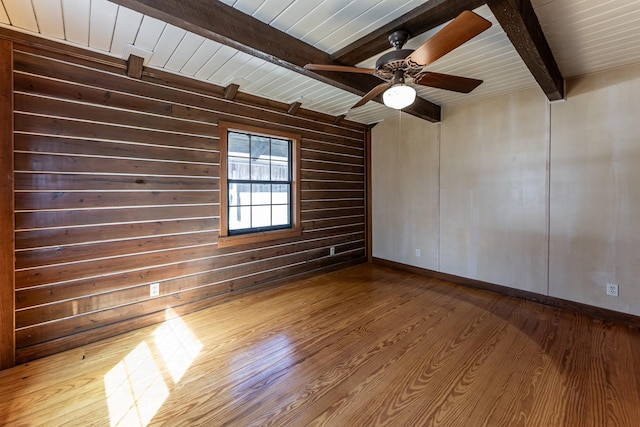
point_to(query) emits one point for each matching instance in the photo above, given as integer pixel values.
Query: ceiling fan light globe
(399, 96)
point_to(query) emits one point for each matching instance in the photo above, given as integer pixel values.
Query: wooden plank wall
(117, 187)
(7, 326)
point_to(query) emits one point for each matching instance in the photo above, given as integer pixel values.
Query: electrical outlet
(332, 250)
(154, 289)
(418, 252)
(612, 289)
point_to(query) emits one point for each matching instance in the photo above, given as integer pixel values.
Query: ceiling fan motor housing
(390, 62)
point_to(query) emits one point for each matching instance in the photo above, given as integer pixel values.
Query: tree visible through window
(259, 189)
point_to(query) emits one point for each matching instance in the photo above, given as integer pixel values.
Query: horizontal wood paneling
(217, 280)
(193, 100)
(142, 305)
(100, 165)
(48, 256)
(29, 103)
(331, 204)
(46, 275)
(332, 185)
(40, 201)
(316, 151)
(332, 222)
(126, 150)
(333, 194)
(81, 235)
(78, 217)
(332, 176)
(333, 147)
(105, 182)
(117, 186)
(335, 167)
(32, 123)
(314, 215)
(109, 330)
(176, 269)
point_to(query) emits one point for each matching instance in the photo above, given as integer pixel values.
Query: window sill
(246, 239)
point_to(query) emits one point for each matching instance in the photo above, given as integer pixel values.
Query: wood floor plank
(433, 373)
(314, 343)
(366, 345)
(356, 342)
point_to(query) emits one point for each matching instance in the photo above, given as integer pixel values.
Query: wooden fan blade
(373, 93)
(447, 81)
(339, 68)
(463, 28)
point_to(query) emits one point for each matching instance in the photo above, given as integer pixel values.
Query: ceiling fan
(396, 66)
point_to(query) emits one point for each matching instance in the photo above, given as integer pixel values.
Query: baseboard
(575, 307)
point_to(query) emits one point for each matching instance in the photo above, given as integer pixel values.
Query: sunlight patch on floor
(136, 387)
(177, 345)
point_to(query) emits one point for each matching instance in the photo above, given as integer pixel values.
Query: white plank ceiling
(585, 36)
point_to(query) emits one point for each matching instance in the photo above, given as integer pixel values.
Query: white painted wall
(595, 190)
(517, 192)
(404, 160)
(494, 191)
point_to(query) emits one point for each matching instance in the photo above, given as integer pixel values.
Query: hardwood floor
(367, 345)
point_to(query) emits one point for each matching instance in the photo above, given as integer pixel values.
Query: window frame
(225, 239)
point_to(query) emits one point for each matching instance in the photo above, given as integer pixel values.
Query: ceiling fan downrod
(397, 39)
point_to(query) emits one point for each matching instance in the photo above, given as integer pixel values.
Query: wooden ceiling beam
(519, 21)
(224, 24)
(419, 20)
(516, 17)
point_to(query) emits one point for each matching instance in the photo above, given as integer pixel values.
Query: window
(259, 185)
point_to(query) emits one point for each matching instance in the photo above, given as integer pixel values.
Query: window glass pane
(280, 194)
(239, 217)
(260, 194)
(238, 144)
(280, 149)
(280, 215)
(239, 194)
(260, 170)
(238, 168)
(279, 171)
(260, 147)
(260, 216)
(259, 187)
